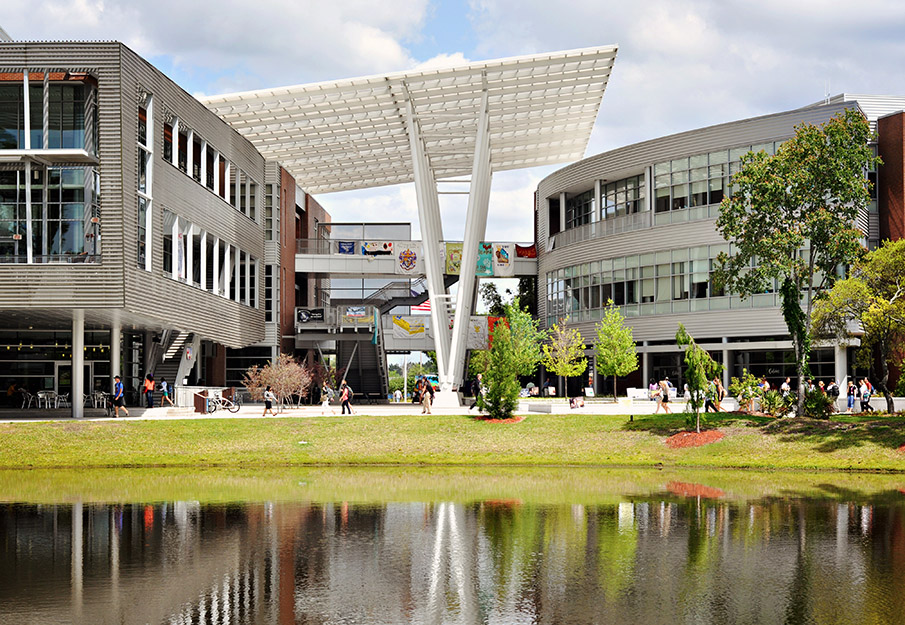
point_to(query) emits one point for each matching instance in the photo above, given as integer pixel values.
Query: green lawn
(853, 443)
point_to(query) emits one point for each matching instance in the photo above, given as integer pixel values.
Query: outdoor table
(47, 398)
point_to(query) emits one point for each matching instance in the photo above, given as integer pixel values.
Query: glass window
(142, 230)
(168, 143)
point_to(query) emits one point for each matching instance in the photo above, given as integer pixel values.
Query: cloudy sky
(682, 64)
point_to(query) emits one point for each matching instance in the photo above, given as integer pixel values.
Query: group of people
(856, 390)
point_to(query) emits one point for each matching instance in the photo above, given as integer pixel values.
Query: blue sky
(682, 64)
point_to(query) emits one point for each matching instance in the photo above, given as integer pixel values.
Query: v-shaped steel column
(475, 228)
(431, 239)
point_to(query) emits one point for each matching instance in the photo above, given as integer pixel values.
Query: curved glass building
(637, 225)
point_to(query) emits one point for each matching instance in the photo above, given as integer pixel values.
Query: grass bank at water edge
(555, 440)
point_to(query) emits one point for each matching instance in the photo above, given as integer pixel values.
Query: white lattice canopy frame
(353, 134)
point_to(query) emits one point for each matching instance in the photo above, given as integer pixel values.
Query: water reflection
(686, 554)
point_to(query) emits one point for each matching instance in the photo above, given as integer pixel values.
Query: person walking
(865, 391)
(165, 392)
(720, 394)
(850, 393)
(345, 397)
(663, 400)
(427, 396)
(149, 389)
(119, 400)
(269, 398)
(326, 397)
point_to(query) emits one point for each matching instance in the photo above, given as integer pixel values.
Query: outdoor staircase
(168, 358)
(367, 374)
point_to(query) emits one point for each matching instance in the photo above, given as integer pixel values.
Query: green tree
(791, 219)
(501, 377)
(700, 369)
(526, 338)
(873, 297)
(746, 390)
(617, 354)
(496, 307)
(478, 362)
(564, 354)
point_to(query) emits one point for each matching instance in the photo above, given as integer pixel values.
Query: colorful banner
(377, 248)
(477, 333)
(345, 247)
(484, 267)
(408, 327)
(491, 324)
(357, 315)
(453, 258)
(526, 251)
(408, 259)
(504, 260)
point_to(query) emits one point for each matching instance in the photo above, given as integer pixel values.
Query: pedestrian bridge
(375, 259)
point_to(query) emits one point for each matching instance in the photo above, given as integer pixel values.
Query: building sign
(309, 315)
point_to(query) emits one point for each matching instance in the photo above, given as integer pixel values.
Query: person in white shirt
(269, 398)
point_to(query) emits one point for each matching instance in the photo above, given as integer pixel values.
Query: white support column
(45, 118)
(26, 103)
(176, 241)
(189, 253)
(431, 236)
(227, 258)
(175, 154)
(217, 172)
(247, 295)
(203, 260)
(216, 255)
(190, 153)
(598, 207)
(204, 163)
(116, 333)
(78, 364)
(29, 230)
(726, 367)
(237, 266)
(226, 184)
(475, 227)
(841, 353)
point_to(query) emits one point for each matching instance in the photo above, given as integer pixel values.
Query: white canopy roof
(353, 134)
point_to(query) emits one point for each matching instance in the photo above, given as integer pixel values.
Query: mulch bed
(901, 449)
(694, 490)
(518, 419)
(693, 439)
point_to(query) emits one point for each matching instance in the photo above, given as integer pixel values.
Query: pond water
(439, 547)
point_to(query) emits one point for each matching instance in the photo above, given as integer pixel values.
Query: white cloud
(233, 45)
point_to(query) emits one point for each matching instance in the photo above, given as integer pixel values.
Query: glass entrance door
(64, 378)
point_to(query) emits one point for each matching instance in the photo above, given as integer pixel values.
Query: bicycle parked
(223, 403)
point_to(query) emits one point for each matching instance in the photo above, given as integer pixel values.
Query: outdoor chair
(28, 399)
(63, 401)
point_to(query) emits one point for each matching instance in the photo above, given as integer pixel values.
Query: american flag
(424, 307)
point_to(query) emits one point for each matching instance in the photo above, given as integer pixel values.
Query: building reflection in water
(678, 557)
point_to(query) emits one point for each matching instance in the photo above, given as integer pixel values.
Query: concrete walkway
(252, 411)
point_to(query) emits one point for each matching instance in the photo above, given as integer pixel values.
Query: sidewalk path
(254, 411)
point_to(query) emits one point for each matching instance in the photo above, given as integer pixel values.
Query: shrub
(818, 405)
(774, 404)
(745, 391)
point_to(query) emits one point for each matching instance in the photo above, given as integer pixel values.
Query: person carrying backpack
(345, 397)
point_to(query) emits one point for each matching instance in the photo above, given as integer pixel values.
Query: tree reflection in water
(685, 555)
